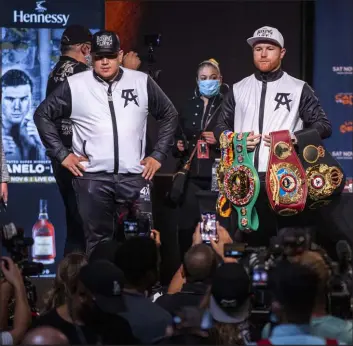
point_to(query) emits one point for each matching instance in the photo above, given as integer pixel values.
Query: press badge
(203, 151)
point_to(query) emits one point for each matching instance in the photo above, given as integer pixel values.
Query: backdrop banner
(333, 76)
(30, 47)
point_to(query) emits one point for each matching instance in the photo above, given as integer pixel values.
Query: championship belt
(324, 175)
(242, 184)
(285, 178)
(227, 156)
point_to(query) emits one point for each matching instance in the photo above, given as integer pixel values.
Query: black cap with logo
(230, 294)
(105, 282)
(105, 42)
(75, 34)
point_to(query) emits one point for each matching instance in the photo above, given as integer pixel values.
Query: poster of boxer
(30, 48)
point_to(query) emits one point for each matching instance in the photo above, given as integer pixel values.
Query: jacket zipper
(261, 119)
(115, 129)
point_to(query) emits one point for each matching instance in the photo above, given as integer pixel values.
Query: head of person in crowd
(99, 292)
(106, 250)
(294, 288)
(16, 97)
(315, 262)
(106, 54)
(209, 78)
(268, 49)
(138, 258)
(45, 336)
(76, 43)
(229, 304)
(199, 264)
(66, 281)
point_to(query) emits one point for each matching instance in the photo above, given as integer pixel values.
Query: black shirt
(191, 294)
(194, 119)
(65, 67)
(119, 334)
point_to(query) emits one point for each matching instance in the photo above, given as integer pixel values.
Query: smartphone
(208, 227)
(259, 277)
(138, 227)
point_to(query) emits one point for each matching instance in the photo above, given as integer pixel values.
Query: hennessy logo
(40, 8)
(282, 100)
(128, 95)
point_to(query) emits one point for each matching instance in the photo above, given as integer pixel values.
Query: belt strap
(264, 342)
(285, 177)
(242, 184)
(324, 175)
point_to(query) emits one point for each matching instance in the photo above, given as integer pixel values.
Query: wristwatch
(242, 184)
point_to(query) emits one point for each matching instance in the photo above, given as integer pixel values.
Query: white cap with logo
(266, 33)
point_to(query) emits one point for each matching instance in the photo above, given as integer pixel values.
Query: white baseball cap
(266, 33)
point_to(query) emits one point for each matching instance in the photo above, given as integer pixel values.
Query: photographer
(322, 324)
(294, 288)
(22, 316)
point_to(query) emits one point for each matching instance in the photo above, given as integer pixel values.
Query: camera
(17, 245)
(152, 41)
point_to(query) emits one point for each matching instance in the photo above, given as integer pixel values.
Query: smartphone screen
(259, 278)
(131, 228)
(208, 227)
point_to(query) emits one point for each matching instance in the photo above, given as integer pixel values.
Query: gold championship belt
(285, 178)
(227, 156)
(325, 177)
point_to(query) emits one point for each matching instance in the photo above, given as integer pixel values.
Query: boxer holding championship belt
(227, 158)
(324, 175)
(242, 184)
(285, 177)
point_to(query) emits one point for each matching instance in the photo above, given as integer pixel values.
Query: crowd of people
(111, 298)
(93, 125)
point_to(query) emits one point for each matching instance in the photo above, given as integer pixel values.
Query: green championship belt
(242, 184)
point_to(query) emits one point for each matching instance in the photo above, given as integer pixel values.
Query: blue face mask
(209, 88)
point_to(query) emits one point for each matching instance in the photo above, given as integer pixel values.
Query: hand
(252, 141)
(4, 193)
(72, 163)
(131, 61)
(9, 145)
(267, 140)
(196, 237)
(156, 236)
(33, 134)
(180, 146)
(209, 137)
(223, 238)
(12, 273)
(151, 167)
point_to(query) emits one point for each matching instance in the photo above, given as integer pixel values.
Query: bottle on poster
(43, 233)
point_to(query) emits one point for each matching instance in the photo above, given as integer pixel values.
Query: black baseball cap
(105, 281)
(75, 34)
(230, 293)
(105, 42)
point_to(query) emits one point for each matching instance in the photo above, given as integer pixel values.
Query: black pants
(101, 199)
(75, 240)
